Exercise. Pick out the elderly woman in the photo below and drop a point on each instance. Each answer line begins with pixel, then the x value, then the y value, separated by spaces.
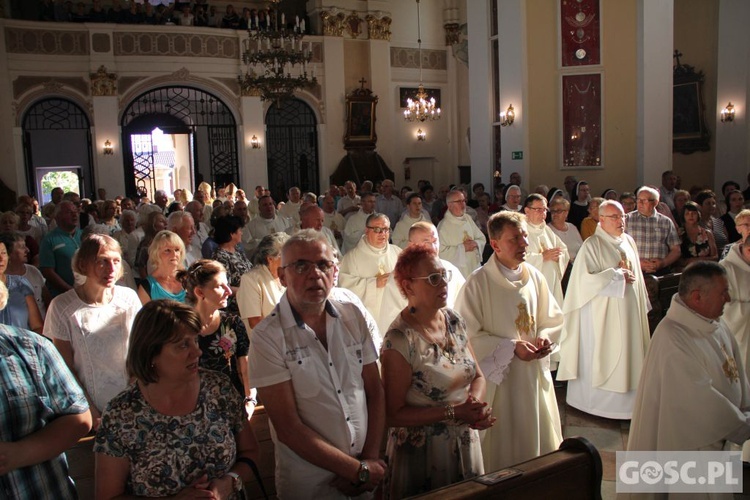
pixel 706 200
pixel 107 215
pixel 697 242
pixel 223 337
pixel 588 226
pixel 18 257
pixel 260 288
pixel 228 234
pixel 90 324
pixel 166 254
pixel 680 198
pixel 178 430
pixel 153 222
pixel 9 224
pixel 25 212
pixel 22 310
pixel 627 200
pixel 433 384
pixel 558 209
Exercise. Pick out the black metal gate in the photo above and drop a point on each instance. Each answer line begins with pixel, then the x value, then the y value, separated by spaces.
pixel 292 143
pixel 198 112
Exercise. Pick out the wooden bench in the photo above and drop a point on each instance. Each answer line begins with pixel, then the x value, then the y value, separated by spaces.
pixel 574 471
pixel 660 291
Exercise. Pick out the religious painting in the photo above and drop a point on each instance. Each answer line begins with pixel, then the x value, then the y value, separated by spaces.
pixel 405 93
pixel 360 119
pixel 580 32
pixel 689 132
pixel 582 120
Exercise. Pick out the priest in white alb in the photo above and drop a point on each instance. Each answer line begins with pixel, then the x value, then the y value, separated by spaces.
pixel 366 269
pixel 412 215
pixel 737 312
pixel 513 320
pixel 546 250
pixel 461 241
pixel 693 394
pixel 606 333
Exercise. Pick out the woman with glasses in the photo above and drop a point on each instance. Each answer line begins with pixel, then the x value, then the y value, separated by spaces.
pixel 223 338
pixel 546 251
pixel 433 384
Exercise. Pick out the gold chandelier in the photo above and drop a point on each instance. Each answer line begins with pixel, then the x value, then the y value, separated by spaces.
pixel 271 54
pixel 423 107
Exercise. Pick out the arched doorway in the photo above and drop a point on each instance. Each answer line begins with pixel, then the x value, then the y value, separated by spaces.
pixel 292 145
pixel 177 137
pixel 57 147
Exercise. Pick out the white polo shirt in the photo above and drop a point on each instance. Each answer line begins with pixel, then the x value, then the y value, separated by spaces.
pixel 328 386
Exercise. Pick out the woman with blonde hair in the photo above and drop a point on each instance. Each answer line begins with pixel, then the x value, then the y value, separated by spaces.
pixel 166 254
pixel 90 324
pixel 152 222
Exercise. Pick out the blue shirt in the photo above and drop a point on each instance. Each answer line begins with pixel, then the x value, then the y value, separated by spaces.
pixel 16 313
pixel 56 252
pixel 38 388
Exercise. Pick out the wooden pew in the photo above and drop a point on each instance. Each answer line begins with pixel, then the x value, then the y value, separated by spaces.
pixel 660 291
pixel 574 471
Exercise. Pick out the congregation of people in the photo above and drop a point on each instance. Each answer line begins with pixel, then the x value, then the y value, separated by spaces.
pixel 399 340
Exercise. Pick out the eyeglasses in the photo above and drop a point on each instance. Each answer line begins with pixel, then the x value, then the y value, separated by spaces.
pixel 613 217
pixel 558 211
pixel 535 209
pixel 305 266
pixel 379 230
pixel 436 279
pixel 646 200
pixel 458 201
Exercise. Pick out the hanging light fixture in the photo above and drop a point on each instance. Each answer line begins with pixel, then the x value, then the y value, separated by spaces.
pixel 424 107
pixel 270 55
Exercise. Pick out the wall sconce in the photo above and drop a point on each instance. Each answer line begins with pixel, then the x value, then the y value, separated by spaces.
pixel 508 116
pixel 421 135
pixel 254 142
pixel 108 149
pixel 727 114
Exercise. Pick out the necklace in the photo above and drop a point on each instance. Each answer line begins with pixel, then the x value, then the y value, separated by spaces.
pixel 445 350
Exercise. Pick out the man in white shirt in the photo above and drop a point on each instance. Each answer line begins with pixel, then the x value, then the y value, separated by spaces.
pixel 290 209
pixel 461 241
pixel 311 217
pixel 182 224
pixel 413 214
pixel 266 223
pixel 349 204
pixel 332 219
pixel 195 208
pixel 667 188
pixel 314 364
pixel 355 225
pixel 388 203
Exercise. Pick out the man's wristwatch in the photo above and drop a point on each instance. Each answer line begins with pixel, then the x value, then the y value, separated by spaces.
pixel 363 474
pixel 236 481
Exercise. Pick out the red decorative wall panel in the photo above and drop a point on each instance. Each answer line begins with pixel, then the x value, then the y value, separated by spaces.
pixel 580 24
pixel 582 115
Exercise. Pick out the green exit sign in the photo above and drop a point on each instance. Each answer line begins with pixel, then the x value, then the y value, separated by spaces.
pixel 517 155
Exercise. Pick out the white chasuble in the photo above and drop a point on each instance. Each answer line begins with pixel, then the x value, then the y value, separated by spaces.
pixel 453 231
pixel 606 333
pixel 497 312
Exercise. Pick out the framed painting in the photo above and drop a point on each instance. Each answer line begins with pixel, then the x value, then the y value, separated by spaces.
pixel 360 119
pixel 689 131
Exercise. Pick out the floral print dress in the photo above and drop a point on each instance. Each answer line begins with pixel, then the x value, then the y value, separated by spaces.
pixel 222 348
pixel 168 453
pixel 698 248
pixel 426 457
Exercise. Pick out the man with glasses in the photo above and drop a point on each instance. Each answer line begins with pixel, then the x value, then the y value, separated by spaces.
pixel 546 250
pixel 655 235
pixel 512 320
pixel 461 240
pixel 606 332
pixel 366 269
pixel 314 363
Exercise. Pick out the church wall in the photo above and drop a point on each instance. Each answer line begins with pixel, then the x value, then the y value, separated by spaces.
pixel 696 37
pixel 544 115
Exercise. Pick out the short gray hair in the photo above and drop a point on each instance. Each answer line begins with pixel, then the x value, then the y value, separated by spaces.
pixel 610 203
pixel 176 220
pixel 698 275
pixel 269 246
pixel 306 236
pixel 650 190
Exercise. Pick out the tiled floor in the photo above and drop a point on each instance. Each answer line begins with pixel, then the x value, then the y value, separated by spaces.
pixel 609 436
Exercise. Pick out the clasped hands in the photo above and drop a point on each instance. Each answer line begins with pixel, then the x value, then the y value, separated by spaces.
pixel 470 245
pixel 528 351
pixel 552 254
pixel 475 413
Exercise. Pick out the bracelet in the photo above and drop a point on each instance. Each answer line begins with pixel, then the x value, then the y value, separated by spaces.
pixel 450 412
pixel 250 399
